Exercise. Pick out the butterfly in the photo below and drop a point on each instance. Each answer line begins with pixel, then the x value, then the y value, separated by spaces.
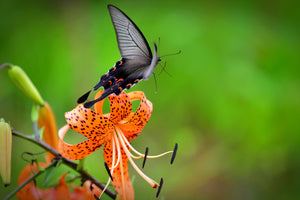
pixel 137 61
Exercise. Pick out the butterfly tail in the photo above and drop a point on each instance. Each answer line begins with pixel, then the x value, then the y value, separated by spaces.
pixel 89 104
pixel 84 97
pixel 105 81
pixel 106 93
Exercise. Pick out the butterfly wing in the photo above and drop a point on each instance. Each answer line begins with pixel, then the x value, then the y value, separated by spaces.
pixel 137 61
pixel 132 43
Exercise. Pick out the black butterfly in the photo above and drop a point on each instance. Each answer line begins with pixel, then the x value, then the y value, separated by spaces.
pixel 137 61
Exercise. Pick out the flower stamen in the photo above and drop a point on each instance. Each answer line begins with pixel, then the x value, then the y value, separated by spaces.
pixel 112 168
pixel 140 154
pixel 144 176
pixel 174 153
pixel 159 188
pixel 118 161
pixel 146 153
pixel 106 186
pixel 108 171
pixel 119 156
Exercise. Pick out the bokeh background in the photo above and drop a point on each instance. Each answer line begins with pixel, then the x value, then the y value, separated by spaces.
pixel 231 101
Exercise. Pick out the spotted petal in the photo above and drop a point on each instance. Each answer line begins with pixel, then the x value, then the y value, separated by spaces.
pixel 120 106
pixel 98 106
pixel 80 150
pixel 88 122
pixel 135 122
pixel 121 180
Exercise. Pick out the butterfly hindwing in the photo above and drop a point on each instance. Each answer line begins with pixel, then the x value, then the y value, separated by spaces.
pixel 115 81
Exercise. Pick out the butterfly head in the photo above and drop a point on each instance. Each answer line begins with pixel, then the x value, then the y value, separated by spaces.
pixel 154 62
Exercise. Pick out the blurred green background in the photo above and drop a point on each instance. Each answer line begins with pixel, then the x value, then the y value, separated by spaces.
pixel 232 101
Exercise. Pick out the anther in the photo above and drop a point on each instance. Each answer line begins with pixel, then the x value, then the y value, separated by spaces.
pixel 95 196
pixel 174 153
pixel 159 188
pixel 91 187
pixel 108 171
pixel 145 157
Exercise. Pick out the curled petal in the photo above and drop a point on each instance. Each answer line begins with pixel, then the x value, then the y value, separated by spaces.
pixel 98 106
pixel 47 120
pixel 80 150
pixel 135 122
pixel 120 106
pixel 121 180
pixel 88 122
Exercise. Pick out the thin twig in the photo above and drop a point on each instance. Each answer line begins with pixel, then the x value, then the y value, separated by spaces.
pixel 10 195
pixel 84 174
pixel 5 65
pixel 36 131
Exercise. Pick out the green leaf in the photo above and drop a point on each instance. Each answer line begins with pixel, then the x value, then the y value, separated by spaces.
pixel 48 174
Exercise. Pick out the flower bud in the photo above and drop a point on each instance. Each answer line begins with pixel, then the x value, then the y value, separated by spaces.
pixel 20 78
pixel 5 152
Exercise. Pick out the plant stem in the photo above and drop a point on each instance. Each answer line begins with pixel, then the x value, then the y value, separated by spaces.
pixel 10 195
pixel 36 132
pixel 5 65
pixel 84 174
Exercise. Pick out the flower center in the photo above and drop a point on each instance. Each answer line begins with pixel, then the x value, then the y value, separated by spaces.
pixel 119 141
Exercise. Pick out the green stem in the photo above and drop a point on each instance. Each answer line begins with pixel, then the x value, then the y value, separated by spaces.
pixel 84 174
pixel 5 65
pixel 10 195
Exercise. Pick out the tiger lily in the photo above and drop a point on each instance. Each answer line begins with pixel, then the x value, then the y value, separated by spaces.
pixel 61 191
pixel 115 130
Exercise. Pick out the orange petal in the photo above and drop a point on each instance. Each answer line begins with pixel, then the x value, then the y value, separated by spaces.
pixel 135 123
pixel 86 192
pixel 82 149
pixel 99 105
pixel 121 180
pixel 88 122
pixel 47 120
pixel 62 190
pixel 30 191
pixel 120 106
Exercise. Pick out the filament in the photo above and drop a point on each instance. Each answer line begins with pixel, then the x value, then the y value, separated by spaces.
pixel 149 180
pixel 140 154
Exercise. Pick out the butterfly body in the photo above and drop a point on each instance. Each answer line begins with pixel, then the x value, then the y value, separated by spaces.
pixel 137 61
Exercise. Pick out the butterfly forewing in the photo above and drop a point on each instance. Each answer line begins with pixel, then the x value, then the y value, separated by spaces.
pixel 131 41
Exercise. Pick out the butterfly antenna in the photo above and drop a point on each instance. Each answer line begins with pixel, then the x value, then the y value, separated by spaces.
pixel 172 54
pixel 158 42
pixel 163 68
pixel 155 83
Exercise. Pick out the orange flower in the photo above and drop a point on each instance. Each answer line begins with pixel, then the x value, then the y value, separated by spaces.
pixel 115 129
pixel 31 192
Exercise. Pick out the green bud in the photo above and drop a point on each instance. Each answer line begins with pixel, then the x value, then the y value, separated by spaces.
pixel 20 78
pixel 5 152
